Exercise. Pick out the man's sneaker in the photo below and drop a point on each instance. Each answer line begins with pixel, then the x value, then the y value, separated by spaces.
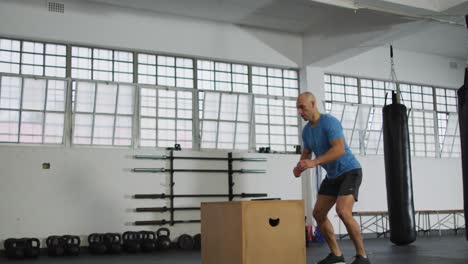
pixel 358 259
pixel 331 259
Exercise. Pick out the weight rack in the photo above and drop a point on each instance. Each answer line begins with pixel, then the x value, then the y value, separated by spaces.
pixel 231 195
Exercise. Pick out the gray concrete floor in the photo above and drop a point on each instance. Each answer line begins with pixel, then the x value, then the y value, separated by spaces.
pixel 433 249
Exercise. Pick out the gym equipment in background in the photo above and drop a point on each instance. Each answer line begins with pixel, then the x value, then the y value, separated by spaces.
pixel 231 195
pixel 163 240
pixel 55 246
pixel 72 245
pixel 397 156
pixel 463 120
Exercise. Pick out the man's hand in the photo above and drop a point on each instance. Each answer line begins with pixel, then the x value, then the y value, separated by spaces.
pixel 297 171
pixel 306 164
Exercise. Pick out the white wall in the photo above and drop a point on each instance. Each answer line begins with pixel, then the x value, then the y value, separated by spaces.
pixel 90 190
pixel 409 67
pixel 107 26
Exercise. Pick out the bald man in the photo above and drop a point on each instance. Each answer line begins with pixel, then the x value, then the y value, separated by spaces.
pixel 323 136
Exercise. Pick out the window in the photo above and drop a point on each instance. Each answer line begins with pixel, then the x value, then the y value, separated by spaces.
pixel 103 113
pixel 32 110
pixel 165 117
pixel 425 115
pixel 341 89
pixel 221 76
pixel 225 120
pixel 373 92
pixel 447 120
pixel 417 96
pixel 10 54
pixel 449 135
pixel 276 123
pixel 421 126
pixel 32 58
pixel 102 64
pixel 165 70
pixel 276 118
pixel 275 82
pixel 104 84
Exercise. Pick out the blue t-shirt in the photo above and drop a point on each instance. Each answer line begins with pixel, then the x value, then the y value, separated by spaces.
pixel 318 139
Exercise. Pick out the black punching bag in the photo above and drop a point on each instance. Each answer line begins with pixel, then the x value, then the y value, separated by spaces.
pixel 398 173
pixel 463 120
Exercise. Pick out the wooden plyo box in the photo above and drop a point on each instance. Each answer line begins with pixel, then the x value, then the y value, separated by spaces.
pixel 253 232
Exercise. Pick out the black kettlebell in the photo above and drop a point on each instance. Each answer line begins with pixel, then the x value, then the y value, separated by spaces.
pixel 14 248
pixel 32 248
pixel 55 246
pixel 113 243
pixel 131 242
pixel 147 241
pixel 163 241
pixel 197 241
pixel 96 244
pixel 72 245
pixel 185 242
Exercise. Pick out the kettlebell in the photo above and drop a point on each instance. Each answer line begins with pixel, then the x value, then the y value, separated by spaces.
pixel 55 246
pixel 131 243
pixel 185 242
pixel 163 241
pixel 96 244
pixel 32 248
pixel 147 241
pixel 197 242
pixel 113 243
pixel 14 248
pixel 72 245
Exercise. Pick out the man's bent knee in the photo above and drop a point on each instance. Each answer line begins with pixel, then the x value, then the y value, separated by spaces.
pixel 344 214
pixel 320 216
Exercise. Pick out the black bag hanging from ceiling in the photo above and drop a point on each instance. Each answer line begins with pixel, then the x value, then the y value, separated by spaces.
pixel 398 173
pixel 463 121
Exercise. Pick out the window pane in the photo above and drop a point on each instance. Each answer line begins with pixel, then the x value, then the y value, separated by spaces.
pixel 56 91
pixel 85 96
pixel 31 127
pixel 34 94
pixel 10 92
pixel 9 125
pixel 106 97
pixel 171 112
pixel 103 130
pixel 54 125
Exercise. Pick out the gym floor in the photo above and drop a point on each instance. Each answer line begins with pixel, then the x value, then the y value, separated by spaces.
pixel 425 250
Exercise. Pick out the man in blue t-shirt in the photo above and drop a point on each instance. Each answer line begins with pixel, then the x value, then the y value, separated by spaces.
pixel 323 136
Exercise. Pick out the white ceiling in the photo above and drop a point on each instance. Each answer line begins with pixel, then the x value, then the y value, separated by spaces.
pixel 443 34
pixel 439 39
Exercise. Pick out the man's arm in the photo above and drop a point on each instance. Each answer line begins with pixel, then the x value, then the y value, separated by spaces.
pixel 306 155
pixel 335 152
